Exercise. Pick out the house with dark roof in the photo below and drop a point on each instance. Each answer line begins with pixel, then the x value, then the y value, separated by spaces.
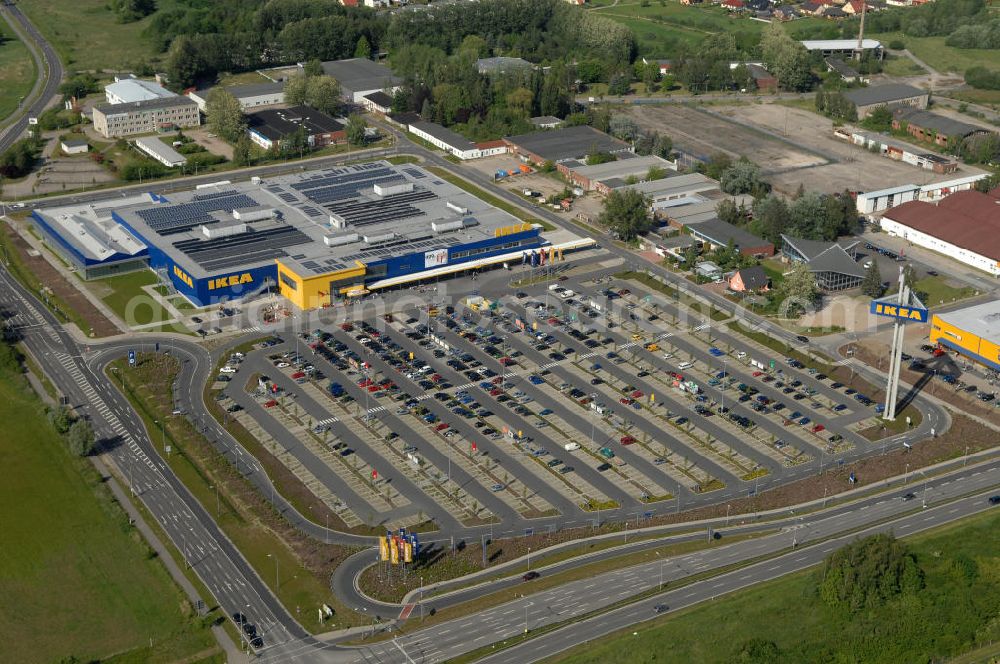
pixel 749 279
pixel 833 264
pixel 892 95
pixel 931 127
pixel 564 144
pixel 268 128
pixel 846 72
pixel 964 226
pixel 377 102
pixel 717 234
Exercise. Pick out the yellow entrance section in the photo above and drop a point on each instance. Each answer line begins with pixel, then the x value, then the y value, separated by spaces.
pixel 941 329
pixel 313 290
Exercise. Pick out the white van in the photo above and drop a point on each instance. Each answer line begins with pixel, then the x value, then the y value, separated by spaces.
pixel 684 366
pixel 569 447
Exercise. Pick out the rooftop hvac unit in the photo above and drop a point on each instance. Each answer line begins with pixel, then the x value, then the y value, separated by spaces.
pixel 378 239
pixel 457 208
pixel 336 221
pixel 255 179
pixel 340 240
pixel 255 214
pixel 395 187
pixel 446 226
pixel 223 230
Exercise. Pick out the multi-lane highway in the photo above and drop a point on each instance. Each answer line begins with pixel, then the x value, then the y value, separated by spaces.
pixel 50 73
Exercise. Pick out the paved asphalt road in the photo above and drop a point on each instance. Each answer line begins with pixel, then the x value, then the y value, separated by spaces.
pixel 51 70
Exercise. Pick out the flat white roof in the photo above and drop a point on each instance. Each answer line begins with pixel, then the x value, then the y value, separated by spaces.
pixel 92 231
pixel 890 191
pixel 839 44
pixel 160 150
pixel 131 90
pixel 983 320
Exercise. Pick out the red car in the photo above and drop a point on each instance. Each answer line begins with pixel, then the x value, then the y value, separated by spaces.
pixel 442 426
pixel 270 404
pixel 347 327
pixel 627 440
pixel 497 380
pixel 758 374
pixel 637 394
pixel 553 321
pixel 495 392
pixel 938 352
pixel 818 428
pixel 676 376
pixel 374 388
pixel 625 401
pixel 298 374
pixel 506 361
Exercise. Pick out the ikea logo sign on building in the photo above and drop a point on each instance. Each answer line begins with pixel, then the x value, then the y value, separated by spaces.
pixel 898 311
pixel 232 280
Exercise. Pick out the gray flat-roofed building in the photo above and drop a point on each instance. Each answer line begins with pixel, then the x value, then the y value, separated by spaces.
pixel 360 76
pixel 160 151
pixel 868 99
pixel 268 127
pixel 613 174
pixel 677 189
pixel 563 144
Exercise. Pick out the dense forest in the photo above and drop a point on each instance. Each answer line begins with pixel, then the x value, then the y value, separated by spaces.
pixel 203 37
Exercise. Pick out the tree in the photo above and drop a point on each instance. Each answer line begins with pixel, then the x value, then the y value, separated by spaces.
pixel 879 119
pixel 356 127
pixel 690 256
pixel 80 438
pixel 626 213
pixel 183 62
pixel 618 84
pixel 798 291
pixel 655 173
pixel 727 211
pixel 79 86
pixel 867 573
pixel 61 419
pixel 313 68
pixel 715 165
pixel 872 284
pixel 296 89
pixel 225 115
pixel 363 49
pixel 600 158
pixel 743 177
pixel 133 10
pixel 323 94
pixel 757 651
pixel 243 151
pixel 786 58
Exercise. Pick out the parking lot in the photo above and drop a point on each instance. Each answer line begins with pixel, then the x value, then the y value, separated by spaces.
pixel 558 403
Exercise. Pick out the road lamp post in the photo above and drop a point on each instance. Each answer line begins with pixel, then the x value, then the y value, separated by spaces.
pixel 277 581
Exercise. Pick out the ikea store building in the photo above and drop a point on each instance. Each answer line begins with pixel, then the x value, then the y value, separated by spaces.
pixel 316 237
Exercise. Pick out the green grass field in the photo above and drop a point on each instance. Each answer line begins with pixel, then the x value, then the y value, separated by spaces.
pixel 74 578
pixel 86 34
pixel 953 613
pixel 942 57
pixel 17 70
pixel 124 294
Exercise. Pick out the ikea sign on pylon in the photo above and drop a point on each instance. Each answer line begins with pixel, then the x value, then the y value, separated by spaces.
pixel 898 311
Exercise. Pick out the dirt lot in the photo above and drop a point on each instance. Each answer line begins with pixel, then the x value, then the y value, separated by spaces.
pixel 67 292
pixel 792 145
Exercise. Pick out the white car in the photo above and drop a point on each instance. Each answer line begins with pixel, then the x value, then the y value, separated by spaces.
pixel 228 369
pixel 282 365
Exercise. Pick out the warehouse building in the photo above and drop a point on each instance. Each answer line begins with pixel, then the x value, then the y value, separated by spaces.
pixel 611 175
pixel 360 76
pixel 931 127
pixel 964 226
pixel 843 47
pixel 892 95
pixel 145 117
pixel 250 96
pixel 564 144
pixel 869 202
pixel 160 151
pixel 898 150
pixel 318 236
pixel 90 240
pixel 973 332
pixel 269 127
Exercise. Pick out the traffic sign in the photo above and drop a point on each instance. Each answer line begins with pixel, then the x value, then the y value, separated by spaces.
pixel 131 358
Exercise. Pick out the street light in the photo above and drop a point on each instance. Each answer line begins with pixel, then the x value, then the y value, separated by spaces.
pixel 277 583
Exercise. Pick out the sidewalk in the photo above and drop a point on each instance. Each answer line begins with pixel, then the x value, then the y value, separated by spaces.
pixel 233 654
